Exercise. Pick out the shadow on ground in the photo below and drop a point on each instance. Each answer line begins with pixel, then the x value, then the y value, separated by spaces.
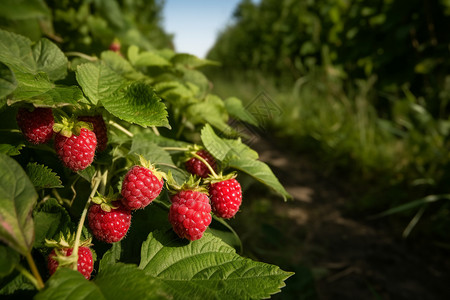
pixel 334 256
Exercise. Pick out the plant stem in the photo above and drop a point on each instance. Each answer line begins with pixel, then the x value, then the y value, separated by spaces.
pixel 155 130
pixel 10 130
pixel 104 180
pixel 213 173
pixel 121 128
pixel 57 196
pixel 96 182
pixel 167 165
pixel 82 55
pixel 175 149
pixel 37 277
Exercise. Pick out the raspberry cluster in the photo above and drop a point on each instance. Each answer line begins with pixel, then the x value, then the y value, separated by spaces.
pixel 75 144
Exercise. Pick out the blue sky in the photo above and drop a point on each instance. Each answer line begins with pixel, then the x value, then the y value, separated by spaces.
pixel 195 23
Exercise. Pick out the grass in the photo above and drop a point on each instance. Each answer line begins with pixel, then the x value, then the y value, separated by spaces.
pixel 394 158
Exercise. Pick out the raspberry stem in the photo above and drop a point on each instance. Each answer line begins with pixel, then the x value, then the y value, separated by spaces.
pixel 96 183
pixel 175 149
pixel 213 173
pixel 82 55
pixel 121 128
pixel 36 276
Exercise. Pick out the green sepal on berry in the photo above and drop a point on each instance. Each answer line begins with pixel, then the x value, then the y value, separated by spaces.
pixel 63 243
pixel 106 201
pixel 69 126
pixel 147 164
pixel 214 178
pixel 192 184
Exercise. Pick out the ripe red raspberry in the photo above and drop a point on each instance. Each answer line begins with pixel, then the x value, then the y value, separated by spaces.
pixel 77 151
pixel 85 262
pixel 109 226
pixel 197 167
pixel 190 214
pixel 99 129
pixel 226 197
pixel 36 125
pixel 140 187
pixel 115 46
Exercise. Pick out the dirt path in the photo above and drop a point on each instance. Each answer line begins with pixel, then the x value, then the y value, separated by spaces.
pixel 348 256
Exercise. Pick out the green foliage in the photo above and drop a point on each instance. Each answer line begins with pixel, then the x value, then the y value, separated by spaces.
pixel 17 200
pixel 156 104
pixel 42 177
pixel 363 85
pixel 397 42
pixel 207 268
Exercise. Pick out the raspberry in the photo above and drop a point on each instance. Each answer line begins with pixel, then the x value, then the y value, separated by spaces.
pixel 141 186
pixel 85 263
pixel 115 46
pixel 196 167
pixel 36 125
pixel 226 197
pixel 99 129
pixel 77 151
pixel 190 214
pixel 109 226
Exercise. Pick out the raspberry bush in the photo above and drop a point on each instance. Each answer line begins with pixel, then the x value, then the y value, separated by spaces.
pixel 101 183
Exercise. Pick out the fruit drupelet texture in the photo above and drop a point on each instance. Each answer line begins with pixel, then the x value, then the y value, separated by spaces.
pixel 190 214
pixel 197 167
pixel 140 187
pixel 100 130
pixel 76 152
pixel 36 125
pixel 85 262
pixel 112 226
pixel 226 198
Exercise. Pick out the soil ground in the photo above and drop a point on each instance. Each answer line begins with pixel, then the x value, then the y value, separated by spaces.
pixel 334 255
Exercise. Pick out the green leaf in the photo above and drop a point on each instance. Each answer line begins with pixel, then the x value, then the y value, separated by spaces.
pixel 11 150
pixel 8 260
pixel 223 149
pixel 173 89
pixel 12 142
pixel 14 283
pixel 15 51
pixel 143 145
pixel 50 218
pixel 111 256
pixel 50 59
pixel 238 111
pixel 126 281
pixel 120 65
pixel 211 111
pixel 43 177
pixel 8 82
pixel 235 154
pixel 88 173
pixel 146 58
pixel 98 81
pixel 261 172
pixel 192 61
pixel 137 103
pixel 39 90
pixel 207 269
pixel 69 284
pixel 149 150
pixel 19 10
pixel 17 199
